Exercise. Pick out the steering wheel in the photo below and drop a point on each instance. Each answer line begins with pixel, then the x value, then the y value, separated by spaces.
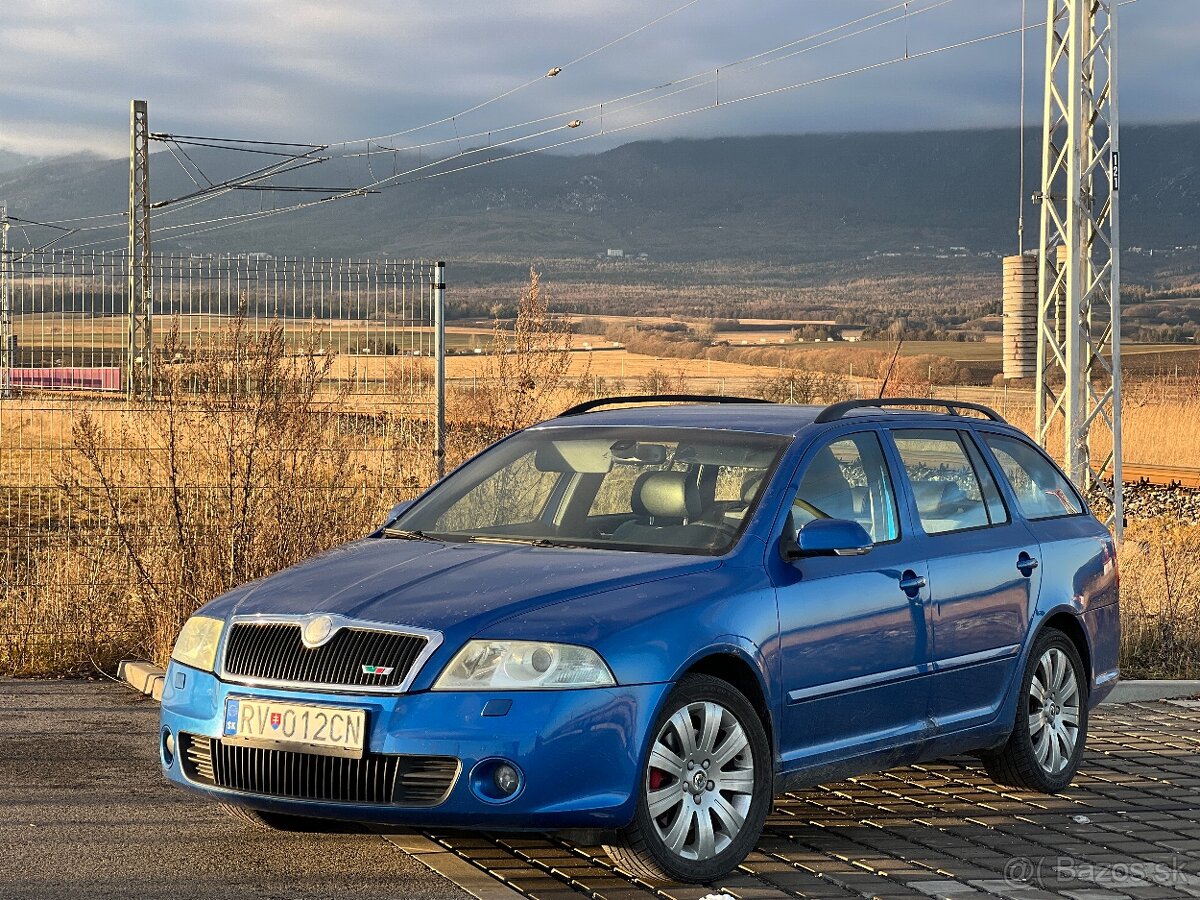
pixel 723 527
pixel 812 510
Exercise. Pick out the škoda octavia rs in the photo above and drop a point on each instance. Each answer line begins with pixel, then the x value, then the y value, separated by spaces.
pixel 646 621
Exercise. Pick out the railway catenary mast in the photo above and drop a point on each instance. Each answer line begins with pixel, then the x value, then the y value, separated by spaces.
pixel 1078 358
pixel 139 365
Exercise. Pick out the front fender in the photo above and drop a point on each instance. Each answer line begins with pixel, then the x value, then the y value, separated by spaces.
pixel 651 632
pixel 739 646
pixel 753 658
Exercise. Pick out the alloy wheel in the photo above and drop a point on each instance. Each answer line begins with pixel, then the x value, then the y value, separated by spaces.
pixel 1054 711
pixel 700 780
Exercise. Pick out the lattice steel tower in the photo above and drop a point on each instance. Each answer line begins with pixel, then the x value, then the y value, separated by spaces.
pixel 1079 321
pixel 139 363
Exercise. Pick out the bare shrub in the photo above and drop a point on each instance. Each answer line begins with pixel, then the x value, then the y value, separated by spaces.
pixel 527 368
pixel 660 381
pixel 238 467
pixel 797 386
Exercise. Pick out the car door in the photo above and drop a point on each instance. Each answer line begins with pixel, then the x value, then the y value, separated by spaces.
pixel 1078 555
pixel 853 629
pixel 982 570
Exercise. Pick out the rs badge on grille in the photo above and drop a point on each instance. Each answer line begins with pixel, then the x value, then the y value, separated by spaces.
pixel 377 670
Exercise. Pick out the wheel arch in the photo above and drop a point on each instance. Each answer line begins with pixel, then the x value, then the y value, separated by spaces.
pixel 1067 622
pixel 736 667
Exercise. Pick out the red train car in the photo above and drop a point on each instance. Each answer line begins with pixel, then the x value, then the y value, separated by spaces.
pixel 85 378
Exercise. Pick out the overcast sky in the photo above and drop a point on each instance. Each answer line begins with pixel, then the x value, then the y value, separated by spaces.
pixel 323 70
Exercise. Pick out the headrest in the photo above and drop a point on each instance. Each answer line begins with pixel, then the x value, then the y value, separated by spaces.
pixel 666 494
pixel 930 496
pixel 750 485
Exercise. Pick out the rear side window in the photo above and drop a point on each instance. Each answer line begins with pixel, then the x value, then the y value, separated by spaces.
pixel 952 492
pixel 1042 491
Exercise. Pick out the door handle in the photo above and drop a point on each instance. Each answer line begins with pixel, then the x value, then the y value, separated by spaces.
pixel 912 583
pixel 1026 564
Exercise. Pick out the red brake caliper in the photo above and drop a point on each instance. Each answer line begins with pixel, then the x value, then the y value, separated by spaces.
pixel 656 778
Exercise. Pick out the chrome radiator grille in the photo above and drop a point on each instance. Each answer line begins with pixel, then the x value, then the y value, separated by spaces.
pixel 353 657
pixel 415 781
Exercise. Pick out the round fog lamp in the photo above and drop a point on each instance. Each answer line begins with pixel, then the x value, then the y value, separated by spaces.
pixel 506 778
pixel 168 746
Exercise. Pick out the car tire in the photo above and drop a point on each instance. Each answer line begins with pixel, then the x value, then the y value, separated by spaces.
pixel 718 818
pixel 1046 744
pixel 269 821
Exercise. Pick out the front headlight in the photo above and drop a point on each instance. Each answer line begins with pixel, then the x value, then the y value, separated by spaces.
pixel 197 643
pixel 523 665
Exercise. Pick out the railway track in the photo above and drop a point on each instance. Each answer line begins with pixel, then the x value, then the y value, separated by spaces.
pixel 1166 476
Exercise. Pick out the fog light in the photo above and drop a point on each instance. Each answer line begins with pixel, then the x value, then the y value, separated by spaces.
pixel 168 747
pixel 496 780
pixel 507 779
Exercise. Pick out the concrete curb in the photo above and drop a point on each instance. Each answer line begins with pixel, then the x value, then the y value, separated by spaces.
pixel 1149 689
pixel 143 676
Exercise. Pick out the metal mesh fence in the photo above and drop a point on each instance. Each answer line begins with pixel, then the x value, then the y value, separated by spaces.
pixel 294 402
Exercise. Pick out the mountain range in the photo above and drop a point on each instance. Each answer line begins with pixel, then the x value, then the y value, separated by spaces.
pixel 779 200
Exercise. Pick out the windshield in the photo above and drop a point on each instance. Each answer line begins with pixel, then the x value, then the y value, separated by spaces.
pixel 667 490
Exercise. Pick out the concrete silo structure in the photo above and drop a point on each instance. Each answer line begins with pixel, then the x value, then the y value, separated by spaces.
pixel 1020 316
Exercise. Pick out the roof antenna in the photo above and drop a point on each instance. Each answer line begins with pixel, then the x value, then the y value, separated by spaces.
pixel 892 365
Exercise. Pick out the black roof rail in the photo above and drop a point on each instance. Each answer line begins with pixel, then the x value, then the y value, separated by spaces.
pixel 589 405
pixel 838 410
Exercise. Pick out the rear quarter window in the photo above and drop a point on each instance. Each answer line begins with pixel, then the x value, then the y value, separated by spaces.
pixel 1041 490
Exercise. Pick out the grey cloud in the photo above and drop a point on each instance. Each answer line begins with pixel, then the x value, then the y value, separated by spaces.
pixel 319 70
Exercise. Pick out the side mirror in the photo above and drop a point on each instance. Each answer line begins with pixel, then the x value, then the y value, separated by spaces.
pixel 829 537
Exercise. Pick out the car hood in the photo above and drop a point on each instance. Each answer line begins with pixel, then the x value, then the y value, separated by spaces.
pixel 456 589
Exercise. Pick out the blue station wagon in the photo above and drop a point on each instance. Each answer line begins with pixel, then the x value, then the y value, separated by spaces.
pixel 644 622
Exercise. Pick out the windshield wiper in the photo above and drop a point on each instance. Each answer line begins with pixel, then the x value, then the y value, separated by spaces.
pixel 500 539
pixel 530 541
pixel 405 534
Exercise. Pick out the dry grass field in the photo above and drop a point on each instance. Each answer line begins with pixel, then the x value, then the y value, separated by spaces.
pixel 72 335
pixel 117 520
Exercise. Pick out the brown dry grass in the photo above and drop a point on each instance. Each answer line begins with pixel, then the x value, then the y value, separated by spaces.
pixel 1160 595
pixel 1159 427
pixel 119 520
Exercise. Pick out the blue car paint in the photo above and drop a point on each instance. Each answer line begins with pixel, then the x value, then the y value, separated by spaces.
pixel 451 588
pixel 843 693
pixel 579 750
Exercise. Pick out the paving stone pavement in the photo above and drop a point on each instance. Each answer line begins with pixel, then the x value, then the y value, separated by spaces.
pixel 1128 828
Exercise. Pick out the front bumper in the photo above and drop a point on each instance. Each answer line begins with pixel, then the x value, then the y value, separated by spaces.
pixel 579 751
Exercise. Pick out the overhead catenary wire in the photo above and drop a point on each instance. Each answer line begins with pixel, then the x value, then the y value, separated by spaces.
pixel 680 84
pixel 54 222
pixel 401 178
pixel 869 67
pixel 704 77
pixel 228 221
pixel 1021 129
pixel 808 83
pixel 552 73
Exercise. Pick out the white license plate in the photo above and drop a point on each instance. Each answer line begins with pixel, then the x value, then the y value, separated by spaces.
pixel 331 731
